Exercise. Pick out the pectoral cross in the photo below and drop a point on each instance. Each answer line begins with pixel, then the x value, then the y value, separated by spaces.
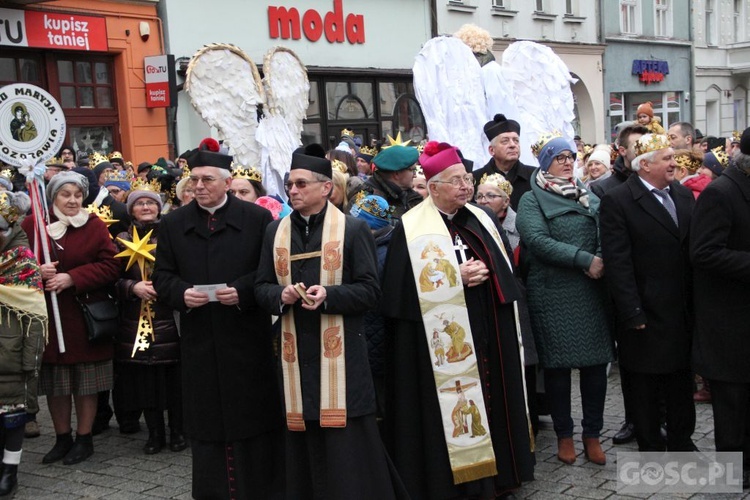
pixel 460 248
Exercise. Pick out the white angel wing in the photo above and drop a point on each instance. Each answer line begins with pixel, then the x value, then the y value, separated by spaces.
pixel 280 130
pixel 224 87
pixel 541 85
pixel 448 85
pixel 498 94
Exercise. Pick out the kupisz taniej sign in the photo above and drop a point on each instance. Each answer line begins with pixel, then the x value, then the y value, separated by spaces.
pixel 160 80
pixel 32 124
pixel 52 30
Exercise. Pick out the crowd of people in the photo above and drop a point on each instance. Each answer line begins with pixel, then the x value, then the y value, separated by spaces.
pixel 378 329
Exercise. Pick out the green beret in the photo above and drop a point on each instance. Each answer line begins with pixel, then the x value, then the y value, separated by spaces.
pixel 395 158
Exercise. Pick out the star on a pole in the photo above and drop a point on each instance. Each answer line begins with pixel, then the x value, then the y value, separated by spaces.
pixel 137 250
pixel 396 142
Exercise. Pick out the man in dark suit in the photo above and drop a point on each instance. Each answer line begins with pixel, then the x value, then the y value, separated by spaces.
pixel 719 250
pixel 505 148
pixel 233 412
pixel 644 228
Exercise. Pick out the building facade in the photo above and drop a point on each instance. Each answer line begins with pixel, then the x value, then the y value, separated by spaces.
pixel 358 56
pixel 721 30
pixel 648 58
pixel 90 57
pixel 569 27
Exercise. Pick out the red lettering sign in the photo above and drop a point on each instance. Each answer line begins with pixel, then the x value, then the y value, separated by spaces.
pixel 287 24
pixel 651 77
pixel 157 81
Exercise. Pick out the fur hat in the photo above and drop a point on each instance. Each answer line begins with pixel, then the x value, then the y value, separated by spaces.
pixel 645 109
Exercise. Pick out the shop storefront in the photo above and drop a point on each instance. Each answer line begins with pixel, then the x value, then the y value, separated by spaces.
pixel 358 55
pixel 90 57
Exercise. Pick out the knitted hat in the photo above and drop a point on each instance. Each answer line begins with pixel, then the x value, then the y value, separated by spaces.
pixel 372 209
pixel 602 156
pixel 101 167
pixel 437 157
pixel 552 149
pixel 645 109
pixel 396 158
pixel 140 194
pixel 12 207
pixel 67 177
pixel 499 125
pixel 716 161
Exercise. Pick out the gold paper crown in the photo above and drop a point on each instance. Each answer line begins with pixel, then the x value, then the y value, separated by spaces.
pixel 7 211
pixel 340 166
pixel 497 180
pixel 736 136
pixel 185 172
pixel 367 150
pixel 96 158
pixel 347 133
pixel 372 207
pixel 115 155
pixel 420 147
pixel 649 143
pixel 119 176
pixel 721 155
pixel 419 171
pixel 139 184
pixel 129 164
pixel 7 173
pixel 102 211
pixel 54 162
pixel 536 148
pixel 240 172
pixel 688 160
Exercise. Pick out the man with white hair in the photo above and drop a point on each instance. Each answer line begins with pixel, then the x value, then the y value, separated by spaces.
pixel 644 225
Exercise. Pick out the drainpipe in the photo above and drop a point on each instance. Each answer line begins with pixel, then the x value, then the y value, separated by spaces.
pixel 691 62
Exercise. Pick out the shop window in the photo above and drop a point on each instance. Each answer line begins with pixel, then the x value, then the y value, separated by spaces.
pixel 85 84
pixel 616 114
pixel 89 139
pixel 24 69
pixel 630 17
pixel 349 100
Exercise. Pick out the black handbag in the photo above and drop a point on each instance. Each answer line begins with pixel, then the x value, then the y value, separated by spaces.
pixel 102 319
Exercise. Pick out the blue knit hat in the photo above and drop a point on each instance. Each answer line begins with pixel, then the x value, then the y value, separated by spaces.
pixel 372 209
pixel 552 149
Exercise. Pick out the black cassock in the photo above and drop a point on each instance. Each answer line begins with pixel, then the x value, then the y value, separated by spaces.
pixel 414 432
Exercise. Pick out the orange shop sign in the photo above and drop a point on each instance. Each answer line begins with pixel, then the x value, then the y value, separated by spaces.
pixel 52 30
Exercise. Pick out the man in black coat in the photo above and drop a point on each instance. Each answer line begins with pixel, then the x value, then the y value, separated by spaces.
pixel 505 148
pixel 644 227
pixel 232 405
pixel 719 250
pixel 333 448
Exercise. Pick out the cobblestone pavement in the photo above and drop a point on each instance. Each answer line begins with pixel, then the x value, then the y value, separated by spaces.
pixel 120 470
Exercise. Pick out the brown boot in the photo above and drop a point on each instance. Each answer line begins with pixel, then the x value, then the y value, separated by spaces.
pixel 593 451
pixel 566 452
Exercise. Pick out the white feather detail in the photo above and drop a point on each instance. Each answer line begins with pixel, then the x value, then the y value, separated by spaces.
pixel 498 93
pixel 448 85
pixel 224 87
pixel 278 143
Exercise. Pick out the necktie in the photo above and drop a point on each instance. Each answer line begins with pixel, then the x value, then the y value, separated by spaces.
pixel 668 203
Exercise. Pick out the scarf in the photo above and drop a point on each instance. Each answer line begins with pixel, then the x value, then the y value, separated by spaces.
pixel 562 186
pixel 332 365
pixel 57 230
pixel 21 290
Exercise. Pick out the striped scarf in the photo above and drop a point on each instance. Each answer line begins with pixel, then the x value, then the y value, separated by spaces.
pixel 565 187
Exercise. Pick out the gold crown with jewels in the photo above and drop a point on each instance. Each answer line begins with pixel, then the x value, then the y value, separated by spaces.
pixel 240 172
pixel 7 211
pixel 340 166
pixel 55 161
pixel 649 143
pixel 367 150
pixel 497 180
pixel 139 184
pixel 347 133
pixel 372 207
pixel 736 136
pixel 537 147
pixel 688 160
pixel 721 155
pixel 116 155
pixel 119 176
pixel 102 211
pixel 96 158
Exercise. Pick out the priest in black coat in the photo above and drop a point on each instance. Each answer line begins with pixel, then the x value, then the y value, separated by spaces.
pixel 414 427
pixel 232 408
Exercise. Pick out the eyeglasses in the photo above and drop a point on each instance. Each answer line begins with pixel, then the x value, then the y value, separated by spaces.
pixel 488 196
pixel 145 203
pixel 467 179
pixel 205 180
pixel 561 159
pixel 300 184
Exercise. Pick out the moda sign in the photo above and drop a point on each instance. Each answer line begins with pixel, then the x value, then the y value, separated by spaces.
pixel 289 23
pixel 52 30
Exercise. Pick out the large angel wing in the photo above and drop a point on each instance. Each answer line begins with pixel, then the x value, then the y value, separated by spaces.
pixel 448 85
pixel 287 92
pixel 225 88
pixel 498 94
pixel 541 85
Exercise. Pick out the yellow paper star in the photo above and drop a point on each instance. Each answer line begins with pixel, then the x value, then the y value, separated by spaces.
pixel 395 142
pixel 137 250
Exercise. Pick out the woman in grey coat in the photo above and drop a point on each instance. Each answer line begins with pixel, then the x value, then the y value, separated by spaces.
pixel 558 221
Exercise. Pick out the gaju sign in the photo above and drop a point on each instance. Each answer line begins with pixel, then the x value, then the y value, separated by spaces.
pixel 32 124
pixel 289 23
pixel 160 81
pixel 52 30
pixel 650 71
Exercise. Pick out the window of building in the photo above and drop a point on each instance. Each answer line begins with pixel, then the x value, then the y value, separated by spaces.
pixel 630 17
pixel 740 110
pixel 738 21
pixel 662 18
pixel 539 6
pixel 616 114
pixel 710 23
pixel 569 11
pixel 501 4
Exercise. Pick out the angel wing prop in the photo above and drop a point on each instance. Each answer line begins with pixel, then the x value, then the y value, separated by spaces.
pixel 499 96
pixel 225 89
pixel 448 85
pixel 541 84
pixel 287 91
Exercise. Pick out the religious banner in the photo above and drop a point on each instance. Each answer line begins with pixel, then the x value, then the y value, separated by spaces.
pixel 32 124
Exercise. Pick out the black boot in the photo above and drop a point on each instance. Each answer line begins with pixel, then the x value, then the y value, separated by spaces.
pixel 8 481
pixel 156 439
pixel 81 450
pixel 63 444
pixel 177 441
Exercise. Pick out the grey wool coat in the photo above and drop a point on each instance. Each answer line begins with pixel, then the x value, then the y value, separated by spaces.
pixel 569 311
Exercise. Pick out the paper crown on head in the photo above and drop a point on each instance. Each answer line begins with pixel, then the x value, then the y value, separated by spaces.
pixel 372 209
pixel 96 158
pixel 721 155
pixel 688 159
pixel 500 125
pixel 55 161
pixel 367 153
pixel 139 184
pixel 102 211
pixel 119 178
pixel 536 148
pixel 499 181
pixel 736 136
pixel 340 166
pixel 7 173
pixel 649 143
pixel 9 210
pixel 250 174
pixel 347 133
pixel 437 157
pixel 395 142
pixel 116 157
